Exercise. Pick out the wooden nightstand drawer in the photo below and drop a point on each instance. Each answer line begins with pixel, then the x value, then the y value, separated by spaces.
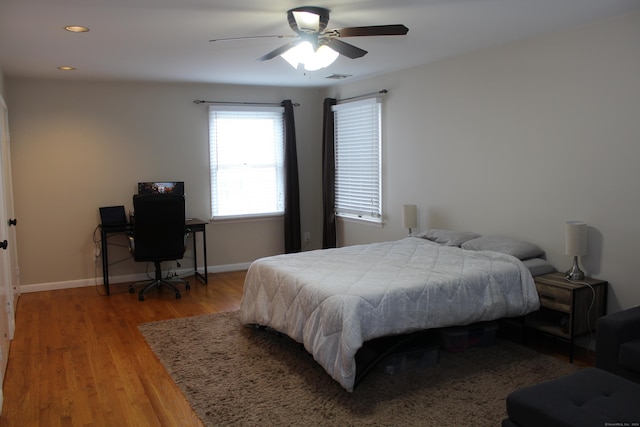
pixel 554 297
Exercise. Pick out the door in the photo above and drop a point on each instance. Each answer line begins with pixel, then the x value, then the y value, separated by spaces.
pixel 10 219
pixel 6 289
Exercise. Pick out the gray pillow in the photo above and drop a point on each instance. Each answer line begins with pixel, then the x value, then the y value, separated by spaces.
pixel 538 266
pixel 505 245
pixel 446 237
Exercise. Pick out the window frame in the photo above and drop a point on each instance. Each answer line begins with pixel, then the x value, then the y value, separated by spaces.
pixel 220 111
pixel 360 110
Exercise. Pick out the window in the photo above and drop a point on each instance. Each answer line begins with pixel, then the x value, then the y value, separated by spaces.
pixel 358 160
pixel 246 147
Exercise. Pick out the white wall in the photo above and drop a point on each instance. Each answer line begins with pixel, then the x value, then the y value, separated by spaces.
pixel 518 139
pixel 77 146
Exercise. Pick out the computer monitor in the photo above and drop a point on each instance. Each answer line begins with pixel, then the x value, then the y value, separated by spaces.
pixel 164 187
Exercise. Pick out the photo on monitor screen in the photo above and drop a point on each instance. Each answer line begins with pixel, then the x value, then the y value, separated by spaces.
pixel 166 187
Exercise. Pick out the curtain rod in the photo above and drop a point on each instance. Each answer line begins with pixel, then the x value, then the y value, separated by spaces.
pixel 380 92
pixel 275 104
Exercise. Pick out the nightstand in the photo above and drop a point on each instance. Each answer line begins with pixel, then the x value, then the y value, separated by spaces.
pixel 568 309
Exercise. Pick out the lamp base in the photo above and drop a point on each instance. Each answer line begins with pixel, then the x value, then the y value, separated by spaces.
pixel 574 273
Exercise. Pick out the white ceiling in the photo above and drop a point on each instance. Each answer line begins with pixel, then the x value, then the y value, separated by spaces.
pixel 168 40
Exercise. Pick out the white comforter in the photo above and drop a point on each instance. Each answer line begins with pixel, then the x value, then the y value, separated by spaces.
pixel 334 300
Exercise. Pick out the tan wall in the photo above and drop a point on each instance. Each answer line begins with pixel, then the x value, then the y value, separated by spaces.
pixel 77 146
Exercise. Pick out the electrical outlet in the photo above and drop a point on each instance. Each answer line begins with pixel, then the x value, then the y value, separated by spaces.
pixel 307 236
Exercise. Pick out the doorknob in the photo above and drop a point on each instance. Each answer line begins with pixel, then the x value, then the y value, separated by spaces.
pixel 4 244
pixel 13 222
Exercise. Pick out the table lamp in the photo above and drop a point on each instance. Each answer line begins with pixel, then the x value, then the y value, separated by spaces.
pixel 575 244
pixel 409 217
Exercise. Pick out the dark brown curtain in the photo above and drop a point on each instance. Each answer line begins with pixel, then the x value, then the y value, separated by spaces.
pixel 328 176
pixel 292 234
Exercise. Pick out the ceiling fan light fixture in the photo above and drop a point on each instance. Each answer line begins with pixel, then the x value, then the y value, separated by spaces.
pixel 298 54
pixel 307 21
pixel 303 53
pixel 322 58
pixel 316 47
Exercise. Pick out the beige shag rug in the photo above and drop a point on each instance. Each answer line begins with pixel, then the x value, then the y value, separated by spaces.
pixel 234 375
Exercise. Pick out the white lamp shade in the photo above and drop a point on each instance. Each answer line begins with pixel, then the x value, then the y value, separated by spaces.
pixel 575 242
pixel 312 60
pixel 409 216
pixel 323 57
pixel 298 54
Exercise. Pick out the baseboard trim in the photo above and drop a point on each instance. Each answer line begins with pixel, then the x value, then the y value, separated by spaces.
pixel 80 283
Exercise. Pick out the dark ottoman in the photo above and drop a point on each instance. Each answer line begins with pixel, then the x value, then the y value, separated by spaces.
pixel 589 397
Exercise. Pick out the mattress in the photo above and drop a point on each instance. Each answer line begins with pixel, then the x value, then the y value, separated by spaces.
pixel 334 300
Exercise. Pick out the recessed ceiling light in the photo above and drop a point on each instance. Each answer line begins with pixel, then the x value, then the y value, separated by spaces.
pixel 66 68
pixel 76 28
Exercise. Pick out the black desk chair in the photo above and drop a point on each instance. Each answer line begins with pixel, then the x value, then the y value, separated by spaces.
pixel 158 235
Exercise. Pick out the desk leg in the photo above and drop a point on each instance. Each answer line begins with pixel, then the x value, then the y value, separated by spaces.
pixel 204 278
pixel 105 260
pixel 204 250
pixel 195 255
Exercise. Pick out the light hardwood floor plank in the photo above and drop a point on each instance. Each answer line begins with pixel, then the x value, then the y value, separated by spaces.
pixel 78 358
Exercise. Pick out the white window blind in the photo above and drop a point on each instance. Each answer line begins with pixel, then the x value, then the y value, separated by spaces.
pixel 358 159
pixel 246 147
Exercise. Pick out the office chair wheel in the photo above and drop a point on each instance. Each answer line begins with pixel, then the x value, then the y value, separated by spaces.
pixel 178 295
pixel 131 290
pixel 187 286
pixel 140 297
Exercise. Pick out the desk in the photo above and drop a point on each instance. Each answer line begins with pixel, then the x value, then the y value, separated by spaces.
pixel 194 225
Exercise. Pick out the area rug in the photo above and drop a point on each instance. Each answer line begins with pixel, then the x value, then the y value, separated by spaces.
pixel 235 375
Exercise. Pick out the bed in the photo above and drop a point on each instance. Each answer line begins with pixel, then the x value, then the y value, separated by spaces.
pixel 334 300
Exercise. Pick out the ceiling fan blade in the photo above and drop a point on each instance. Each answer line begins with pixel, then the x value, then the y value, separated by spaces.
pixel 346 49
pixel 279 51
pixel 250 38
pixel 373 30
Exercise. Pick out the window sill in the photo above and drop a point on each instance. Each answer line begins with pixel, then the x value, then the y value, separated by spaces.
pixel 360 220
pixel 248 218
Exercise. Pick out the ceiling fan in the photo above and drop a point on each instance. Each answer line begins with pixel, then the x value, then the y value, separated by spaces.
pixel 315 46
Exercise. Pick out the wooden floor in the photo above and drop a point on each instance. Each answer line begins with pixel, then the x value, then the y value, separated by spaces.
pixel 78 358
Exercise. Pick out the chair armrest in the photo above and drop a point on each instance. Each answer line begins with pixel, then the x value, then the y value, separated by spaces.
pixel 611 331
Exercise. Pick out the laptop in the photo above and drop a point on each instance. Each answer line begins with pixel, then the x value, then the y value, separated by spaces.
pixel 113 216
